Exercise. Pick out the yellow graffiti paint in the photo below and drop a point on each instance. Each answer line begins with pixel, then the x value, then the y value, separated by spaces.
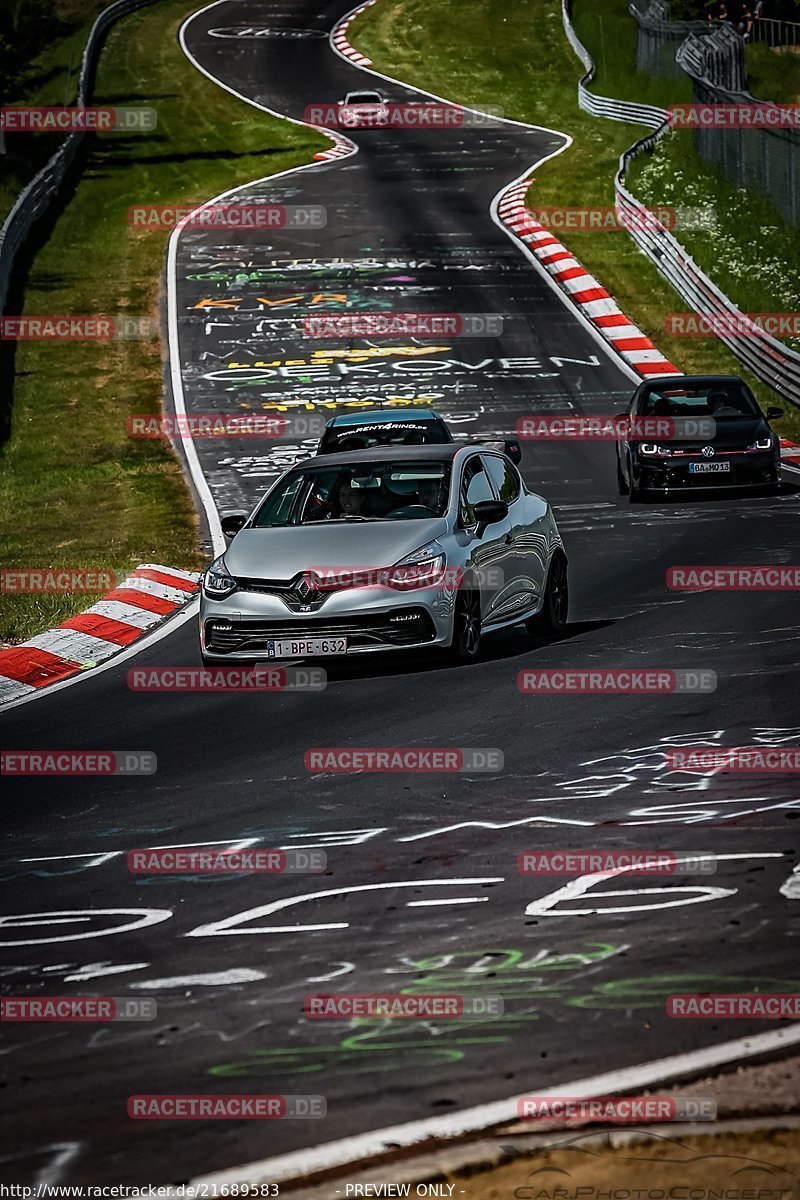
pixel 389 401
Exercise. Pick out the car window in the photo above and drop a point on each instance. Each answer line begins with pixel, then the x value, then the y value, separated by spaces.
pixel 364 491
pixel 504 477
pixel 475 487
pixel 279 504
pixel 364 98
pixel 717 399
pixel 343 438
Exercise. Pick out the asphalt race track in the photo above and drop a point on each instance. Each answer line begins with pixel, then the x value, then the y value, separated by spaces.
pixel 411 858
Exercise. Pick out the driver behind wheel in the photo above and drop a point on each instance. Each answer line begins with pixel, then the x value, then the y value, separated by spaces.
pixel 350 500
pixel 429 494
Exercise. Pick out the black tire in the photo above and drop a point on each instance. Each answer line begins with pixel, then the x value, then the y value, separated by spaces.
pixel 622 486
pixel 635 494
pixel 466 644
pixel 554 615
pixel 208 662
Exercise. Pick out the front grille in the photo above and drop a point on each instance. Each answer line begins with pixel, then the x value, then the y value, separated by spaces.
pixel 284 589
pixel 411 626
pixel 269 587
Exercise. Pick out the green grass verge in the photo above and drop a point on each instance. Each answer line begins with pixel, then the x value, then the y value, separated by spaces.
pixel 774 74
pixel 518 57
pixel 75 491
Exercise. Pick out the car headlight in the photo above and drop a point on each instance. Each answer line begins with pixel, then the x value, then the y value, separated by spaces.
pixel 423 568
pixel 218 581
pixel 654 451
pixel 764 443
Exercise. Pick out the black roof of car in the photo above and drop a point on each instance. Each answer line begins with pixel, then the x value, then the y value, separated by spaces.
pixel 678 381
pixel 443 453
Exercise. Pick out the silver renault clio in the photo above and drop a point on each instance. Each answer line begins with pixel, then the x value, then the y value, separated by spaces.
pixel 400 548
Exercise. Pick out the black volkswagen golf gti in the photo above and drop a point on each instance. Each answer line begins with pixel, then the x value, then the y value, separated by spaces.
pixel 688 432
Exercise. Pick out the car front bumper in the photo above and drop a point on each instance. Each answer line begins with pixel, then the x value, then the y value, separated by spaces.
pixel 672 475
pixel 373 619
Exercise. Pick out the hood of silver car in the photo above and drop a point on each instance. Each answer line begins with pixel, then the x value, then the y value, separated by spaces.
pixel 281 553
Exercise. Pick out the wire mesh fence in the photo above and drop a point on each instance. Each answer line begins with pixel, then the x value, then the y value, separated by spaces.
pixel 658 37
pixel 768 358
pixel 763 159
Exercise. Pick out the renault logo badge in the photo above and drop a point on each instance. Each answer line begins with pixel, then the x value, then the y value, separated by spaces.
pixel 305 588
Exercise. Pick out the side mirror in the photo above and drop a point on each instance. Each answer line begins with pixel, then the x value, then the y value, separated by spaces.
pixel 232 524
pixel 514 451
pixel 774 413
pixel 489 512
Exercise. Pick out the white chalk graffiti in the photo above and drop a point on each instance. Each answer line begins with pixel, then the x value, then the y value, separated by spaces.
pixel 143 917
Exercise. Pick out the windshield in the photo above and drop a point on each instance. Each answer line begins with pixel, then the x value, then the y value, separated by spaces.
pixel 364 98
pixel 386 433
pixel 718 400
pixel 380 491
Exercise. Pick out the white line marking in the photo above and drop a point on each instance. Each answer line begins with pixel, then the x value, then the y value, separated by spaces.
pixel 365 1146
pixel 790 888
pixel 208 979
pixel 228 925
pixel 344 968
pixel 190 450
pixel 144 917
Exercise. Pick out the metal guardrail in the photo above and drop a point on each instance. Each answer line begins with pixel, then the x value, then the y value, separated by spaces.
pixel 33 201
pixel 716 57
pixel 767 358
pixel 599 106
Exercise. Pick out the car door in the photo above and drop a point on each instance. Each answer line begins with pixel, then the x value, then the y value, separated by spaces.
pixel 490 555
pixel 526 569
